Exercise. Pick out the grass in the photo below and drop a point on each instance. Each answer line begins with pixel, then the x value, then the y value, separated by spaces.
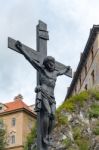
pixel 31 138
pixel 77 132
pixel 72 105
pixel 94 111
pixel 83 144
pixel 96 131
pixel 69 105
pixel 62 120
pixel 81 141
pixel 94 93
pixel 67 142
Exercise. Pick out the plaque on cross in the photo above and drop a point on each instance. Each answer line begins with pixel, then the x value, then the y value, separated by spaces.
pixel 47 71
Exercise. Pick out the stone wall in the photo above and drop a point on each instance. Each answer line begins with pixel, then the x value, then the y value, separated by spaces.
pixel 85 79
pixel 77 125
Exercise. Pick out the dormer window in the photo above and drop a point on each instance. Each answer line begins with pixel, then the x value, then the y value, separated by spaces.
pixel 3 107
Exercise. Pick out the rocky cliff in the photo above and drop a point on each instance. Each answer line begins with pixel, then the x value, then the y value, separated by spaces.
pixel 77 123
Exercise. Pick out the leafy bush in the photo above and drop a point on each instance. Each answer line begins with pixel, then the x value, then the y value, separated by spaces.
pixel 94 111
pixel 62 120
pixel 94 93
pixel 83 144
pixel 31 138
pixel 69 104
pixel 83 96
pixel 67 142
pixel 96 131
pixel 3 136
pixel 77 132
pixel 73 107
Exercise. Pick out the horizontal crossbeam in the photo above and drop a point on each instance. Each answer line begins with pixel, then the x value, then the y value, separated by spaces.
pixel 59 66
pixel 29 51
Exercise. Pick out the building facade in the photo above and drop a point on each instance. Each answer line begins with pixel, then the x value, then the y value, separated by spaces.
pixel 19 119
pixel 87 73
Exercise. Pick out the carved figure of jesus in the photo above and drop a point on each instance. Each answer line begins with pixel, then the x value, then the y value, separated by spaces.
pixel 45 99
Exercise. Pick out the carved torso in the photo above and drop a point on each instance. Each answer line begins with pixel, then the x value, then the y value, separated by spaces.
pixel 48 80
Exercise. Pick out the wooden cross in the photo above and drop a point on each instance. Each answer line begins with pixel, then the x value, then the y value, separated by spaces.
pixel 39 55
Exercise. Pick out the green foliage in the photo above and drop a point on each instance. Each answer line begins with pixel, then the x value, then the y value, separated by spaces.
pixel 70 104
pixel 59 109
pixel 67 105
pixel 77 132
pixel 3 139
pixel 81 141
pixel 81 97
pixel 67 142
pixel 94 93
pixel 96 131
pixel 62 120
pixel 71 148
pixel 1 121
pixel 83 144
pixel 31 138
pixel 94 111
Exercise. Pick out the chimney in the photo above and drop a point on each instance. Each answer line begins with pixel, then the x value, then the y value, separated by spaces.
pixel 18 97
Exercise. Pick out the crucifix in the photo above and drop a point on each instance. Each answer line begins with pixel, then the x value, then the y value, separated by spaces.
pixel 47 71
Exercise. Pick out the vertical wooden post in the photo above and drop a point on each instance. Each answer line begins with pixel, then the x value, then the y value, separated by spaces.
pixel 42 37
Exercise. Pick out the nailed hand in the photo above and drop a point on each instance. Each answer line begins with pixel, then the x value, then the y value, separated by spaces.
pixel 18 45
pixel 68 68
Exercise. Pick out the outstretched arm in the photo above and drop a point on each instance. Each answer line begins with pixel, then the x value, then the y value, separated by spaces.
pixel 63 71
pixel 33 62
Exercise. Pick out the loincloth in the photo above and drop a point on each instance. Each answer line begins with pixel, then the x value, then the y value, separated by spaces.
pixel 41 94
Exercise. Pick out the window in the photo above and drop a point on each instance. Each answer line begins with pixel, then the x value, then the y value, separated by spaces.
pixel 13 121
pixel 93 77
pixel 13 139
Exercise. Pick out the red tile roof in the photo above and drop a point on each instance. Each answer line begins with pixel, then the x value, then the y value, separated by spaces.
pixel 15 105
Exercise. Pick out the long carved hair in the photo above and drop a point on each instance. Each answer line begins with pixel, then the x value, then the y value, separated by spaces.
pixel 47 59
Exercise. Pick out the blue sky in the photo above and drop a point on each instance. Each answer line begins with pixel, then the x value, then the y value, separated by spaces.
pixel 69 23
